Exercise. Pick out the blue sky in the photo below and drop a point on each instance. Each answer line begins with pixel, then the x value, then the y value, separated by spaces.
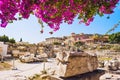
pixel 29 30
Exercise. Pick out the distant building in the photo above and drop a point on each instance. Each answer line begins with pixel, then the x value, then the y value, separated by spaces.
pixel 70 40
pixel 54 39
pixel 100 38
pixel 88 38
pixel 3 49
pixel 78 37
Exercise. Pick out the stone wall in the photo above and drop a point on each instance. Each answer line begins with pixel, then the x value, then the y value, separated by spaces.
pixel 21 49
pixel 71 64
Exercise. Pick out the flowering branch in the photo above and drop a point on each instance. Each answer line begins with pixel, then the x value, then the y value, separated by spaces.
pixel 55 12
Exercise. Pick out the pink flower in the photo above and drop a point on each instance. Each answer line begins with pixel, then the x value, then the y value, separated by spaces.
pixel 89 20
pixel 102 9
pixel 4 24
pixel 54 12
pixel 1 3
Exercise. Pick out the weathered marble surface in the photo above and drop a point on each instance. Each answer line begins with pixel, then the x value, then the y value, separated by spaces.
pixel 74 63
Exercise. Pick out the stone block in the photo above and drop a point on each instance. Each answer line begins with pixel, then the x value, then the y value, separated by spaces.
pixel 75 63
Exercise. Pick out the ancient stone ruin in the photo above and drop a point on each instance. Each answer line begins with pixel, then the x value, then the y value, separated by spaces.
pixel 75 63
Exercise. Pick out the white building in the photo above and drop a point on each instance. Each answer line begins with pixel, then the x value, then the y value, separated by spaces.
pixel 3 49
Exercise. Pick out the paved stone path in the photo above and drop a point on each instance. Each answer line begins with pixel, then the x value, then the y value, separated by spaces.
pixel 25 70
pixel 109 76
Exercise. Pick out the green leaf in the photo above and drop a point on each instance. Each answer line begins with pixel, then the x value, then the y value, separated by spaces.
pixel 100 14
pixel 10 21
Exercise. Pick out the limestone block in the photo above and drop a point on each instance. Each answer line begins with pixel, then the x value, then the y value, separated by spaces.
pixel 71 64
pixel 1 49
pixel 44 55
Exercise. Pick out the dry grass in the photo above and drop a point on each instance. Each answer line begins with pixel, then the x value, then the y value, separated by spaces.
pixel 104 58
pixel 42 77
pixel 5 66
